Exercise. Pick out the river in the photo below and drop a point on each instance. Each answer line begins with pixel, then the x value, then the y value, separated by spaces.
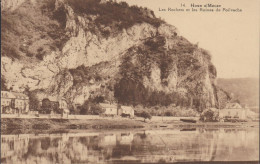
pixel 136 146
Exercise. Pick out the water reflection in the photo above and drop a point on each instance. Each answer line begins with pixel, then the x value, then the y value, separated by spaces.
pixel 142 146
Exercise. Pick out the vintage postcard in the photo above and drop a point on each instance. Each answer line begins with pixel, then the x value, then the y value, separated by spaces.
pixel 129 81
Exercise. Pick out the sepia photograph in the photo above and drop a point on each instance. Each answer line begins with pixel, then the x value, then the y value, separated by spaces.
pixel 129 81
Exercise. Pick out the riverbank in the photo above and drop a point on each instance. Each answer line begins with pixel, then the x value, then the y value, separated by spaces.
pixel 32 125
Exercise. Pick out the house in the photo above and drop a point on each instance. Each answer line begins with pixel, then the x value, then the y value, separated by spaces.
pixel 6 101
pixel 64 106
pixel 13 102
pixel 21 102
pixel 233 110
pixel 126 110
pixel 110 109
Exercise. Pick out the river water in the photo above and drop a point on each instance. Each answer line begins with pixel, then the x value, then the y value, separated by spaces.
pixel 135 146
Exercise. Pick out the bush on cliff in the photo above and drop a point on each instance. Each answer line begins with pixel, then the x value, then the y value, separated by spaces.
pixel 209 115
pixel 90 108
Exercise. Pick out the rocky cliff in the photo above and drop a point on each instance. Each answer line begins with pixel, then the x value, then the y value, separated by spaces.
pixel 87 48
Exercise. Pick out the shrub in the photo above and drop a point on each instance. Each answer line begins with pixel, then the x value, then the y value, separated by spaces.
pixel 111 12
pixel 209 115
pixel 168 113
pixel 98 99
pixel 3 84
pixel 96 109
pixel 38 56
pixel 90 108
pixel 146 115
pixel 40 49
pixel 30 54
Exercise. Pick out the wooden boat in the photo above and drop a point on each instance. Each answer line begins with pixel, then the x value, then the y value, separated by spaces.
pixel 163 126
pixel 191 129
pixel 188 120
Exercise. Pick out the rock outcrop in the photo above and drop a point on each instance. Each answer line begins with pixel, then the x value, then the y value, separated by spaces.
pixel 77 52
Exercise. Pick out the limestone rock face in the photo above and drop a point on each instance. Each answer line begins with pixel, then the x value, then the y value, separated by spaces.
pixel 10 4
pixel 86 62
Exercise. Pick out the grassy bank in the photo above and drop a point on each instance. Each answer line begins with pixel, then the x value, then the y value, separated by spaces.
pixel 23 124
pixel 20 125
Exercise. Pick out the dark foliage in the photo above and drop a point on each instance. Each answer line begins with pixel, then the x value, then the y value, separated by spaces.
pixel 84 74
pixel 46 106
pixel 209 116
pixel 128 91
pixel 27 25
pixel 212 70
pixel 90 108
pixel 3 84
pixel 183 47
pixel 155 43
pixel 49 106
pixel 98 99
pixel 110 13
pixel 60 16
pixel 168 113
pixel 146 115
pixel 34 103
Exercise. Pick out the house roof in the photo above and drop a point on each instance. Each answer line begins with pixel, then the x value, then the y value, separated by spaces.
pixel 105 105
pixel 233 106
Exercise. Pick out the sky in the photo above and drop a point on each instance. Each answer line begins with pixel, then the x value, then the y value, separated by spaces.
pixel 231 37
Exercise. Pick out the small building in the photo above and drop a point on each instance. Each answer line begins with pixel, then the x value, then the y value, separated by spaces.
pixel 233 110
pixel 13 102
pixel 127 110
pixel 65 113
pixel 6 101
pixel 63 104
pixel 110 109
pixel 21 102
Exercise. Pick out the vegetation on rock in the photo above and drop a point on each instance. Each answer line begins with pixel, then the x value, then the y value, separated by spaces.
pixel 209 115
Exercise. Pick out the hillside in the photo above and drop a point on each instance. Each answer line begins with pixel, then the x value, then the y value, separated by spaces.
pixel 246 90
pixel 83 49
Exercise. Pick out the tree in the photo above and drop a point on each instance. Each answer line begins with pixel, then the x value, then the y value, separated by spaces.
pixel 84 108
pixel 46 105
pixel 209 116
pixel 34 103
pixel 3 84
pixel 96 109
pixel 146 115
pixel 90 108
pixel 168 113
pixel 98 99
pixel 128 91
